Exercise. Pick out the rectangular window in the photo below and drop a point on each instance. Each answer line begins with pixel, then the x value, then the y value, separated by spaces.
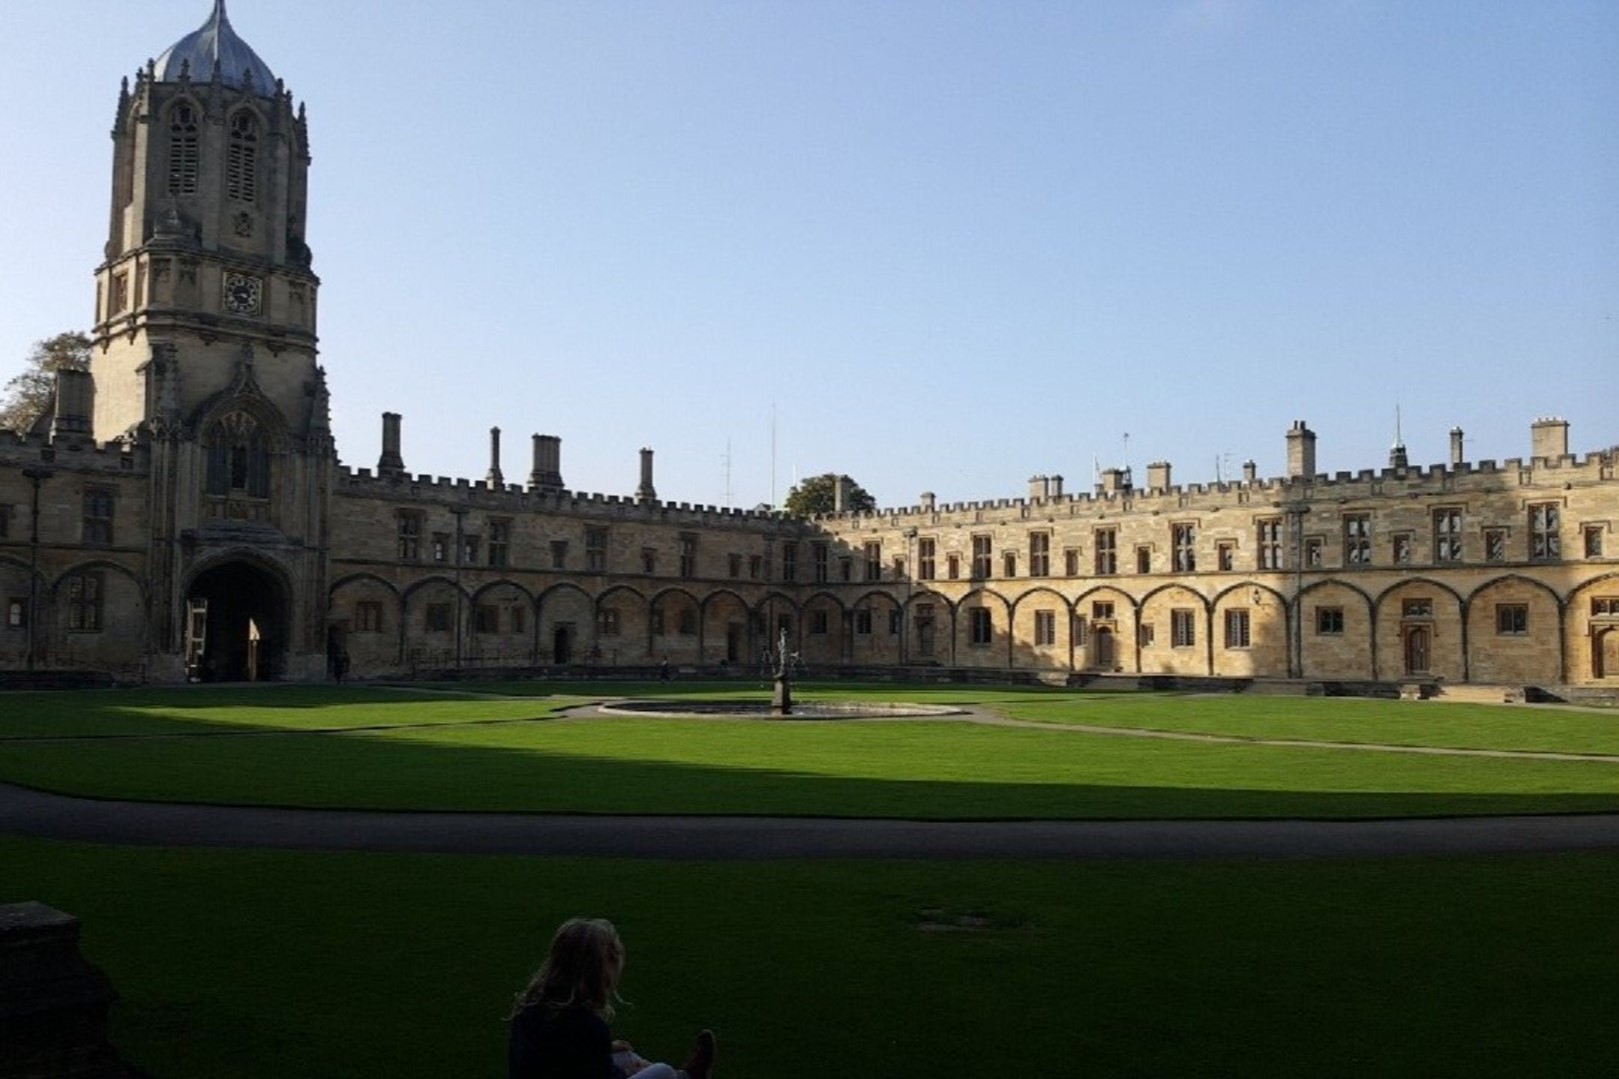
pixel 1183 538
pixel 1592 533
pixel 84 609
pixel 367 617
pixel 607 621
pixel 596 550
pixel 789 561
pixel 1237 628
pixel 500 532
pixel 874 560
pixel 1495 545
pixel 1447 535
pixel 408 526
pixel 1545 540
pixel 657 622
pixel 845 569
pixel 818 623
pixel 1039 554
pixel 98 515
pixel 756 567
pixel 1401 547
pixel 862 621
pixel 1009 563
pixel 1357 539
pixel 1417 608
pixel 1511 619
pixel 1604 606
pixel 1070 561
pixel 1182 628
pixel 980 628
pixel 1329 621
pixel 895 618
pixel 1107 552
pixel 924 629
pixel 688 554
pixel 820 559
pixel 899 568
pixel 981 557
pixel 1314 551
pixel 1045 627
pixel 926 550
pixel 733 562
pixel 16 613
pixel 517 620
pixel 1144 559
pixel 952 566
pixel 559 554
pixel 469 550
pixel 1078 630
pixel 486 618
pixel 438 618
pixel 1225 556
pixel 1146 634
pixel 1270 543
pixel 441 546
pixel 1102 610
pixel 649 560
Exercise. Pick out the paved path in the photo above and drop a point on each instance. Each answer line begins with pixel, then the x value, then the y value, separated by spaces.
pixel 35 813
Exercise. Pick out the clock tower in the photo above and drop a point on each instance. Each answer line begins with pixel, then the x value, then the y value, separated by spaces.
pixel 205 258
pixel 204 360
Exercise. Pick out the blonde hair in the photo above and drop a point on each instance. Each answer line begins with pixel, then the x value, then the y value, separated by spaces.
pixel 582 969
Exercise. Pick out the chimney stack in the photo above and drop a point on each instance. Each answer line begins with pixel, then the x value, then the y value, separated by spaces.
pixel 73 405
pixel 1055 486
pixel 1548 437
pixel 1039 488
pixel 842 494
pixel 1158 476
pixel 494 479
pixel 390 463
pixel 1456 457
pixel 547 471
pixel 1300 452
pixel 1250 472
pixel 646 492
pixel 927 500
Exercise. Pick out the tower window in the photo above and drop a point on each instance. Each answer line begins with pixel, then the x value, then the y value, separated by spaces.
pixel 183 150
pixel 238 458
pixel 241 162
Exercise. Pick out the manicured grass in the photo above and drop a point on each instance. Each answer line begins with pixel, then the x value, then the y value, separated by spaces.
pixel 446 753
pixel 269 964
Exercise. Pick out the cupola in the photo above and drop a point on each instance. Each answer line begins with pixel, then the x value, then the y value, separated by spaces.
pixel 215 42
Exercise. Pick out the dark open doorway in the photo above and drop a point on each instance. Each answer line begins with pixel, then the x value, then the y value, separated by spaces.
pixel 236 625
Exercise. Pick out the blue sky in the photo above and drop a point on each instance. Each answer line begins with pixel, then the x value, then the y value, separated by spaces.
pixel 946 245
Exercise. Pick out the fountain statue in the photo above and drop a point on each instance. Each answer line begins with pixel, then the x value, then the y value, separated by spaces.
pixel 781 700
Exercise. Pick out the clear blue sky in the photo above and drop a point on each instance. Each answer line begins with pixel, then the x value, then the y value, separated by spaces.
pixel 950 244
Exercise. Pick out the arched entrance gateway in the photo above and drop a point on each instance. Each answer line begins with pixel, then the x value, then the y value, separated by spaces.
pixel 236 624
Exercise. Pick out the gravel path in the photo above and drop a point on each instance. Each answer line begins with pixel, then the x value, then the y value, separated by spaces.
pixel 53 816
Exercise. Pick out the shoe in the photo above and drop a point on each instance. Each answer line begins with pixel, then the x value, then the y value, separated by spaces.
pixel 700 1065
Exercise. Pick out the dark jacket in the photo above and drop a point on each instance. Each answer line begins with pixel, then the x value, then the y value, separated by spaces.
pixel 560 1043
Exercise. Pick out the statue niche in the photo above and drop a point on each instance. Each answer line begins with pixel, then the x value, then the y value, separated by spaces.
pixel 237 483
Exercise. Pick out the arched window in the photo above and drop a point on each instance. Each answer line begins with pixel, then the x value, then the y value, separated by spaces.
pixel 183 150
pixel 238 458
pixel 241 165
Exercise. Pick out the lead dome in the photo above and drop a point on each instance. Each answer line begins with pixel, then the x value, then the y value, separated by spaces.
pixel 215 41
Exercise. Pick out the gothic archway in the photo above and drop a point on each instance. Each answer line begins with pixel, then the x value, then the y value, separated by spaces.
pixel 237 624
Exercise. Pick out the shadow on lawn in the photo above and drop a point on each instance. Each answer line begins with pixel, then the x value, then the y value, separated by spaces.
pixel 366 771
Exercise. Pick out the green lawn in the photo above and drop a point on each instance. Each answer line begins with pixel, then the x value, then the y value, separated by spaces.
pixel 376 748
pixel 269 964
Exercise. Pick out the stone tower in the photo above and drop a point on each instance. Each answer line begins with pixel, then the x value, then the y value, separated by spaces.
pixel 205 353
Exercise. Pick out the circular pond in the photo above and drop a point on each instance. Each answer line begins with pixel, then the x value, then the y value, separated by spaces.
pixel 761 709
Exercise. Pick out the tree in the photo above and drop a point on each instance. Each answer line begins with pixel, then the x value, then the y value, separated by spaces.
pixel 818 494
pixel 28 394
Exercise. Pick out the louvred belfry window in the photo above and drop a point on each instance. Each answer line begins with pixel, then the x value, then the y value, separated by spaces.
pixel 183 150
pixel 241 163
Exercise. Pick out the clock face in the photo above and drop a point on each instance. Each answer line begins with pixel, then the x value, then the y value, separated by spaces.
pixel 243 293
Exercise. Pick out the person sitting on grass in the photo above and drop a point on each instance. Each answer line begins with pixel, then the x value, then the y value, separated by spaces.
pixel 559 1023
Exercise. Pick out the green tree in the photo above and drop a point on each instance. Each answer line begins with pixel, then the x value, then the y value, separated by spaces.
pixel 27 394
pixel 817 494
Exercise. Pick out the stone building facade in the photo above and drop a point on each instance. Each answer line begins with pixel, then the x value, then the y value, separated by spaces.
pixel 180 512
